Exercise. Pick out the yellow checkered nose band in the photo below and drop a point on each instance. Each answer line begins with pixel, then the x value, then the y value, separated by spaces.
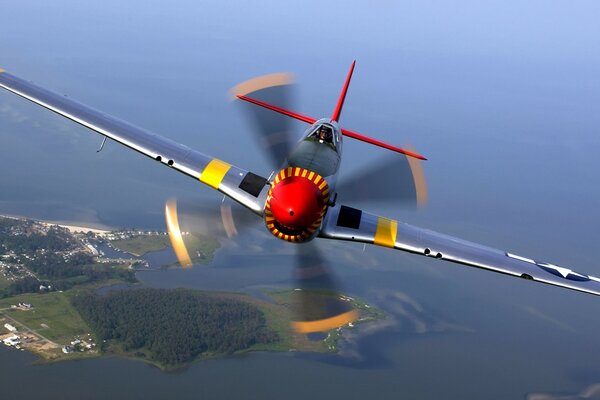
pixel 296 203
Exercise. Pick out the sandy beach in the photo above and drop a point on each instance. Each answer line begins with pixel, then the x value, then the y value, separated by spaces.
pixel 83 227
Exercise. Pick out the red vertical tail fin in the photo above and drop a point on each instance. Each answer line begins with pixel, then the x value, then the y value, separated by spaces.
pixel 338 108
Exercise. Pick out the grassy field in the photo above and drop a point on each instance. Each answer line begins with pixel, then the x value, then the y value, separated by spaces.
pixel 108 267
pixel 4 283
pixel 54 310
pixel 201 247
pixel 140 245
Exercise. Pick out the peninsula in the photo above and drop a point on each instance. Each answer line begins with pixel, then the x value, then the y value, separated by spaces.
pixel 50 304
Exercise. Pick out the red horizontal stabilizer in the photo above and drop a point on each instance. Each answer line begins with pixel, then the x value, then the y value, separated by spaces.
pixel 345 132
pixel 280 110
pixel 367 139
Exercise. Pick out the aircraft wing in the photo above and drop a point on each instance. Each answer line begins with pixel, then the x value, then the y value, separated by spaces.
pixel 243 186
pixel 346 223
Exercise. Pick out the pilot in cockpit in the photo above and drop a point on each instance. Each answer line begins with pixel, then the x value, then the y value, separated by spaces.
pixel 324 134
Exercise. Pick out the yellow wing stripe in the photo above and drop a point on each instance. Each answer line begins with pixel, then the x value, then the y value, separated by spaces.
pixel 214 173
pixel 386 232
pixel 2 70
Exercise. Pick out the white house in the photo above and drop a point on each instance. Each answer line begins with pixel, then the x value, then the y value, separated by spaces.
pixel 12 341
pixel 10 327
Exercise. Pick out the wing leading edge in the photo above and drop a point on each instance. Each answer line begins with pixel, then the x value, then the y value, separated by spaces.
pixel 245 187
pixel 346 223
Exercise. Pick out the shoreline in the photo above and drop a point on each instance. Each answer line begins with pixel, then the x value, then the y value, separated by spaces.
pixel 72 226
pixel 277 316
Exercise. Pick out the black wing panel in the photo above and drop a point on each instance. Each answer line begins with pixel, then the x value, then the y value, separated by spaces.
pixel 341 223
pixel 213 172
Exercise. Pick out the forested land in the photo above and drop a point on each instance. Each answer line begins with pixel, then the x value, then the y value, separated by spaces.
pixel 174 326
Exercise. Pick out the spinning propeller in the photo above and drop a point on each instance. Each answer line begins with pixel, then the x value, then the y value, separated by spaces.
pixel 308 174
pixel 318 306
pixel 316 302
pixel 403 173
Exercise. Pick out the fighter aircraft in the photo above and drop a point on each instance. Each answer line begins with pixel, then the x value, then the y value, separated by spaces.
pixel 299 203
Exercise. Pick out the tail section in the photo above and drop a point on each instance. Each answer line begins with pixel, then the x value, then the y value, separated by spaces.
pixel 334 117
pixel 338 108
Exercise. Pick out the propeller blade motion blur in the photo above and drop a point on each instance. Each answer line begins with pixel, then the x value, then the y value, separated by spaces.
pixel 318 304
pixel 404 177
pixel 192 226
pixel 273 131
pixel 176 235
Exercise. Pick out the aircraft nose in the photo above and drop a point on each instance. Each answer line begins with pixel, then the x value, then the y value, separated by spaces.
pixel 296 203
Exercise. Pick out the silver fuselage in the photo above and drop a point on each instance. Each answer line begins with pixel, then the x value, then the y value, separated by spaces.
pixel 314 154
